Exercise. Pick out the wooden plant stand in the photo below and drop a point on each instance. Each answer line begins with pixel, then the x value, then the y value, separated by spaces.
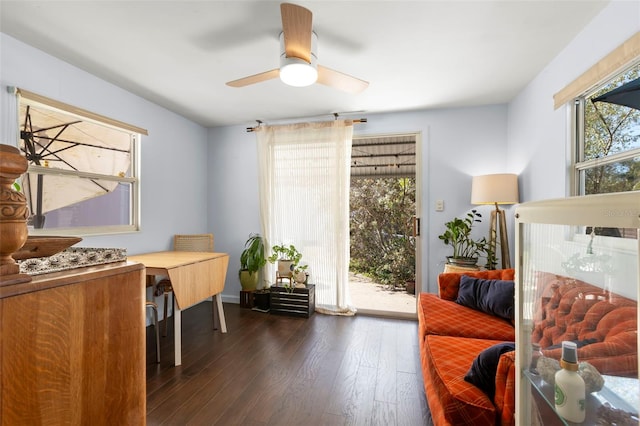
pixel 300 302
pixel 246 298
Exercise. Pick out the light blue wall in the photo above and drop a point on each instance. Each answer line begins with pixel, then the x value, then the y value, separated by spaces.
pixel 456 144
pixel 233 195
pixel 538 134
pixel 174 156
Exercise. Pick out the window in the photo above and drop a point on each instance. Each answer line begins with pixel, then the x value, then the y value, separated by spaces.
pixel 83 175
pixel 607 136
pixel 607 129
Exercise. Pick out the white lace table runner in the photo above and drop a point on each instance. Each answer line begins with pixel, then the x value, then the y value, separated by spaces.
pixel 73 257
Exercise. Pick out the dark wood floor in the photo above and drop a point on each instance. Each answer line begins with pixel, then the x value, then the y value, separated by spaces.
pixel 277 370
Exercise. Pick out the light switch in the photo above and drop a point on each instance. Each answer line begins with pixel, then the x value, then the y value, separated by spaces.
pixel 439 205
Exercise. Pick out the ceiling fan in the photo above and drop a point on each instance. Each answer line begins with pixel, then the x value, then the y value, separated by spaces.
pixel 298 57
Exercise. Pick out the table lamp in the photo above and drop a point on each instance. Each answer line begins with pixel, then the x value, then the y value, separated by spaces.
pixel 496 189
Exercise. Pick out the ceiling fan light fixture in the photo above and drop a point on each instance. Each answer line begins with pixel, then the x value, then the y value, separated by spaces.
pixel 297 72
pixel 299 57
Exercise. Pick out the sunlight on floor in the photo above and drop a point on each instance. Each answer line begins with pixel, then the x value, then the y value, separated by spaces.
pixel 368 295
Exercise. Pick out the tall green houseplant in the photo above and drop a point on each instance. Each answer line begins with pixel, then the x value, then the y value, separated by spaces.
pixel 252 259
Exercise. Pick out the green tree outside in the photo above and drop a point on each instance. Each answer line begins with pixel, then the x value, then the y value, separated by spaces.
pixel 381 226
pixel 610 129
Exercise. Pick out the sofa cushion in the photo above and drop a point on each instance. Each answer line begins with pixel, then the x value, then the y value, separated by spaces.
pixel 483 370
pixel 448 282
pixel 495 297
pixel 505 398
pixel 452 400
pixel 447 318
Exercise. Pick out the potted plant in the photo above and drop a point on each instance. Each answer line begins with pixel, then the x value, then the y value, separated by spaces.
pixel 288 258
pixel 252 259
pixel 466 250
pixel 300 274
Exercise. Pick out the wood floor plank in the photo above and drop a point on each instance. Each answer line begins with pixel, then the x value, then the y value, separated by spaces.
pixel 407 350
pixel 277 371
pixel 411 404
pixel 310 405
pixel 387 365
pixel 384 413
pixel 359 407
pixel 329 419
pixel 353 394
pixel 371 349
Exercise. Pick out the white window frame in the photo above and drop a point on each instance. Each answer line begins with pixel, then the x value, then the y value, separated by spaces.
pixel 133 179
pixel 579 164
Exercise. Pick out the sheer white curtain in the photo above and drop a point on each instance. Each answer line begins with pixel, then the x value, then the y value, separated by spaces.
pixel 304 200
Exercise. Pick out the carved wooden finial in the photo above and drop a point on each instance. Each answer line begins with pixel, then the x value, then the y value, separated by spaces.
pixel 13 215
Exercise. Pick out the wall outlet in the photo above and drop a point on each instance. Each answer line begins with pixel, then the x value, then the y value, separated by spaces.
pixel 439 205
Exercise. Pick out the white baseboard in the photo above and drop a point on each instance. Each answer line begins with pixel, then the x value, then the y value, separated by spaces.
pixel 230 299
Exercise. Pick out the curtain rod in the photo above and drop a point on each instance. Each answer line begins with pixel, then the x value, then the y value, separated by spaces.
pixel 253 129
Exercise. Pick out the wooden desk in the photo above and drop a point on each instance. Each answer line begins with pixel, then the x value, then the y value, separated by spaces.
pixel 194 276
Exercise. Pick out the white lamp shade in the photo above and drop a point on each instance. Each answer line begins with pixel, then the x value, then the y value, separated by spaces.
pixel 499 188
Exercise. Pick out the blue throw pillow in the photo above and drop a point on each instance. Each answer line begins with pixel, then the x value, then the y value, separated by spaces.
pixel 495 297
pixel 483 370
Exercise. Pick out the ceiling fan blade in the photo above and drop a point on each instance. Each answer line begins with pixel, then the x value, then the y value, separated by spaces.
pixel 297 28
pixel 340 80
pixel 256 78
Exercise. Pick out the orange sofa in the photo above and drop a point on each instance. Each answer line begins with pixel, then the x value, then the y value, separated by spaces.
pixel 451 336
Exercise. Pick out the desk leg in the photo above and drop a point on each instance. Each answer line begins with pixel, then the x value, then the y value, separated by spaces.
pixel 177 333
pixel 223 323
pixel 214 313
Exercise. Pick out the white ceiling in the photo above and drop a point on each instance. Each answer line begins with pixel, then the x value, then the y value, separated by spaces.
pixel 415 54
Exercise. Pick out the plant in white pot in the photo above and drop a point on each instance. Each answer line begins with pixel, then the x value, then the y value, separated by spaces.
pixel 300 275
pixel 252 259
pixel 288 259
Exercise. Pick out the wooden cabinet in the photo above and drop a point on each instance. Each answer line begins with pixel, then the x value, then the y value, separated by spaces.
pixel 73 348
